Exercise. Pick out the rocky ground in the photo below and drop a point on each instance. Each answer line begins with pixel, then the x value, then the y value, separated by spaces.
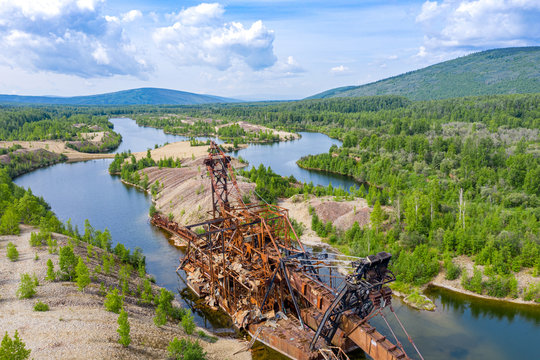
pixel 77 326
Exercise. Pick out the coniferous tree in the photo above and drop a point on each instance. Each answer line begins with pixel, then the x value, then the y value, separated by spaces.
pixel 83 277
pixel 123 329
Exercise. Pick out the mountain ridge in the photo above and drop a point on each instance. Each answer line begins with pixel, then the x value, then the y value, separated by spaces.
pixel 138 96
pixel 497 71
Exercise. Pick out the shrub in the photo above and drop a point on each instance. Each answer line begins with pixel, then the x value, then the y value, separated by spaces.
pixel 39 306
pixel 113 301
pixel 12 252
pixel 187 323
pixel 27 287
pixel 67 262
pixel 185 349
pixel 51 275
pixel 123 329
pixel 83 277
pixel 161 317
pixel 13 349
pixel 453 271
pixel 147 296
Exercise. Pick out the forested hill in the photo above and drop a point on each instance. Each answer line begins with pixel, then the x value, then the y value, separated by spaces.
pixel 142 96
pixel 499 71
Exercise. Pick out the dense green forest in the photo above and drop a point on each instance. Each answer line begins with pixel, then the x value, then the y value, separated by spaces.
pixel 498 71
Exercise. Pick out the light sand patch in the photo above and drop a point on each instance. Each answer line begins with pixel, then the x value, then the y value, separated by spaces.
pixel 180 150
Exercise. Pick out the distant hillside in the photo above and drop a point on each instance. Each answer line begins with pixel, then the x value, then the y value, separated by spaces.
pixel 499 71
pixel 142 96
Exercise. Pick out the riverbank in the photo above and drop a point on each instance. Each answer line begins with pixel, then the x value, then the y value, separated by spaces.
pixel 342 214
pixel 77 324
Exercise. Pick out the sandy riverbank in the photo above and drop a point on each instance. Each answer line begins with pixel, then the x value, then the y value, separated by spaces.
pixel 77 326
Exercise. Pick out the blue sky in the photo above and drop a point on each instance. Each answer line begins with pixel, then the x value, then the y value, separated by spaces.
pixel 245 49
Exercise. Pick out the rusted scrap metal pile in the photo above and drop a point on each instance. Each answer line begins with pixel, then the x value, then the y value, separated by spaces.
pixel 246 260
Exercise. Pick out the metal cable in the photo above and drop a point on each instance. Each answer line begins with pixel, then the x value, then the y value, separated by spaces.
pixel 406 333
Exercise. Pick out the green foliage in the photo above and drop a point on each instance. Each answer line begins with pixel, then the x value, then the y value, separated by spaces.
pixel 188 324
pixel 147 295
pixel 67 263
pixel 38 239
pixel 11 252
pixel 51 275
pixel 123 329
pixel 13 349
pixel 83 276
pixel 453 271
pixel 417 267
pixel 9 222
pixel 377 216
pixel 113 301
pixel 185 349
pixel 532 293
pixel 27 287
pixel 39 306
pixel 123 278
pixel 488 72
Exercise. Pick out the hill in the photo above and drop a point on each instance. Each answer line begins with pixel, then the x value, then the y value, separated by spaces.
pixel 142 96
pixel 498 71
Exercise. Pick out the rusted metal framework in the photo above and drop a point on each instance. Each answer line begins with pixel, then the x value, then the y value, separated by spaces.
pixel 246 259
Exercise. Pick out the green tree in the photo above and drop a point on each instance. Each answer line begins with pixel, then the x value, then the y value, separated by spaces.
pixel 123 329
pixel 113 301
pixel 9 222
pixel 83 277
pixel 27 287
pixel 67 262
pixel 188 324
pixel 51 275
pixel 377 216
pixel 13 349
pixel 11 252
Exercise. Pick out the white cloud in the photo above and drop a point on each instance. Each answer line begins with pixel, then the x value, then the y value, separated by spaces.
pixel 200 37
pixel 460 25
pixel 339 69
pixel 131 15
pixel 67 37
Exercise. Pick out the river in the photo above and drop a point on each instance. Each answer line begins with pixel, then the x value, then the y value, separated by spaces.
pixel 461 328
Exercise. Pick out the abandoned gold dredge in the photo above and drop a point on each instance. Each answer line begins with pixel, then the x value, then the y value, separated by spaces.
pixel 249 262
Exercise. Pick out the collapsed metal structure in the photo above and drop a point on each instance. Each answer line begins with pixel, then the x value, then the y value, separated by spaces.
pixel 247 260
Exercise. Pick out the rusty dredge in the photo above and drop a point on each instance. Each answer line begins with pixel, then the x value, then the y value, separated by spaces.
pixel 303 305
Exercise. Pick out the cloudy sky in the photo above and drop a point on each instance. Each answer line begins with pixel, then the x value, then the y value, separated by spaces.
pixel 248 49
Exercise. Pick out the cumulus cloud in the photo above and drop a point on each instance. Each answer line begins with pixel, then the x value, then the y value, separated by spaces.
pixel 199 36
pixel 459 25
pixel 339 70
pixel 131 15
pixel 68 37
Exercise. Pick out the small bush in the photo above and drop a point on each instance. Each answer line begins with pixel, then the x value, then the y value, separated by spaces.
pixel 188 324
pixel 453 271
pixel 113 301
pixel 51 275
pixel 12 252
pixel 67 263
pixel 83 277
pixel 185 349
pixel 123 329
pixel 13 349
pixel 27 287
pixel 39 306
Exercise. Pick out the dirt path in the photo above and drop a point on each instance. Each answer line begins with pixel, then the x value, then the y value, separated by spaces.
pixel 77 326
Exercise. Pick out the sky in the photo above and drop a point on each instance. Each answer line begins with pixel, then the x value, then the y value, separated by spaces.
pixel 244 49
